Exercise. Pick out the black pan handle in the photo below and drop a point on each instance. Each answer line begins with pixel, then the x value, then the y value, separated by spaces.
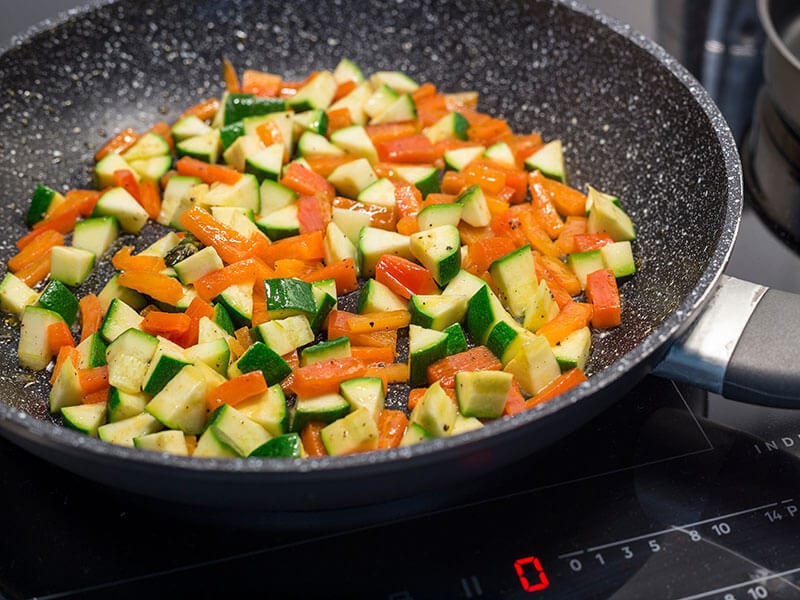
pixel 745 345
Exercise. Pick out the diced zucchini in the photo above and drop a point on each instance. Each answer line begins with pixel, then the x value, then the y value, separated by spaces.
pixel 379 100
pixel 439 251
pixel 347 70
pixel 209 446
pixel 458 158
pixel 351 222
pixel 415 433
pixel 515 277
pixel 15 294
pixel 594 193
pixel 464 284
pixel 476 209
pixel 44 200
pixel 402 109
pixel 266 163
pixel 228 134
pixel 268 410
pixel 435 412
pixel 456 340
pixel 380 193
pixel 244 193
pixel 338 246
pixel 573 351
pixel 437 215
pixel 206 147
pixel 324 300
pixel 364 392
pixel 112 289
pixel 549 159
pixel 425 179
pixel 287 334
pixel 437 311
pixel 501 154
pixel 396 80
pixel 619 258
pixel 374 243
pixel 452 126
pixel 355 103
pixel 275 196
pixel 123 432
pixel 129 358
pixel 171 442
pixel 315 121
pixel 376 297
pixel 215 353
pixel 168 360
pixel 313 143
pixel 607 217
pixel 425 346
pixel 324 409
pixel 287 297
pixel 260 357
pixel 505 340
pixel 222 318
pixel 357 432
pixel 86 418
pixel 335 348
pixel 147 146
pixel 281 223
pixel 181 403
pixel 70 265
pixel 178 188
pixel 354 140
pixel 197 265
pixel 287 445
pixel 482 394
pixel 583 263
pixel 189 127
pixel 119 318
pixel 316 94
pixel 534 366
pixel 95 235
pixel 33 350
pixel 237 300
pixel 66 390
pixel 464 424
pixel 236 107
pixel 152 169
pixel 124 405
pixel 117 202
pixel 352 177
pixel 60 300
pixel 541 308
pixel 92 352
pixel 484 311
pixel 237 431
pixel 105 168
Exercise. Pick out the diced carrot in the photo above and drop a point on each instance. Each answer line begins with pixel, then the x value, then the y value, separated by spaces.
pixel 307 183
pixel 35 250
pixel 392 426
pixel 35 272
pixel 311 436
pixel 479 358
pixel 159 287
pixel 404 277
pixel 339 119
pixel 388 373
pixel 545 210
pixel 568 201
pixel 209 286
pixel 207 173
pixel 260 83
pixel 515 401
pixel 377 355
pixel 324 164
pixel 123 260
pixel 379 321
pixel 572 317
pixel 344 272
pixel 325 376
pixel 150 198
pixel 563 383
pixel 93 379
pixel 343 89
pixel 603 294
pixel 236 390
pixel 407 225
pixel 231 79
pixel 97 397
pixel 591 241
pixel 231 245
pixel 58 335
pixel 119 143
pixel 391 131
pixel 306 246
pixel 166 324
pixel 453 182
pixel 204 110
pixel 91 315
pixel 415 149
pixel 490 178
pixel 560 273
pixel 566 239
pixel 485 251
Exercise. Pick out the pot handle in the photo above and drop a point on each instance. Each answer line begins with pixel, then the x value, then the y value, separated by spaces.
pixel 745 346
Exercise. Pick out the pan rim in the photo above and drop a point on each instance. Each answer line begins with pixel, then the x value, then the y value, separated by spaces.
pixel 22 425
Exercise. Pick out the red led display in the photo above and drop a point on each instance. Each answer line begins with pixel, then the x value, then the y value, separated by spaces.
pixel 531 582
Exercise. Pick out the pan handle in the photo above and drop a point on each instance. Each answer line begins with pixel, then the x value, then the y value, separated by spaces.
pixel 745 346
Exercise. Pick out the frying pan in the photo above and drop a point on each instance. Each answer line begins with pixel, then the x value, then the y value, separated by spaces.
pixel 635 123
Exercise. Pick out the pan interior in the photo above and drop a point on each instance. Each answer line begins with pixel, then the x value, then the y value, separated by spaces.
pixel 631 127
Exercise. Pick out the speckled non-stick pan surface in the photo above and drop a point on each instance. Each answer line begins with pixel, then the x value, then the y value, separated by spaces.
pixel 634 122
